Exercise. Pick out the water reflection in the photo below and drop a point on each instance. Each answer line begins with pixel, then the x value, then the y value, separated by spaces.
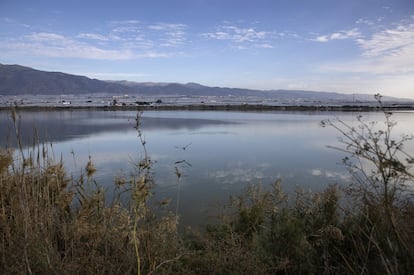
pixel 58 126
pixel 227 150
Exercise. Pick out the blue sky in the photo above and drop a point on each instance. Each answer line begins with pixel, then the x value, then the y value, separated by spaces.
pixel 353 46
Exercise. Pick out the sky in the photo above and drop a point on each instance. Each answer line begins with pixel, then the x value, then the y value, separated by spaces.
pixel 353 46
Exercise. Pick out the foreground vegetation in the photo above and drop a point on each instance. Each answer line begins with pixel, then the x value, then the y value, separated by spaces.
pixel 53 224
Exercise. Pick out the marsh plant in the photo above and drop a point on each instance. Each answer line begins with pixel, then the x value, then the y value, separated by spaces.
pixel 51 223
pixel 382 190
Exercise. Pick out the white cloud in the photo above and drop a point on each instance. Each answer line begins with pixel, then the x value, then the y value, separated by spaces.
pixel 153 54
pixel 345 34
pixel 125 22
pixel 167 26
pixel 390 42
pixel 45 37
pixel 126 26
pixel 364 22
pixel 385 63
pixel 236 34
pixel 322 38
pixel 12 21
pixel 264 46
pixel 93 36
pixel 140 35
pixel 122 40
pixel 126 29
pixel 340 35
pixel 59 46
pixel 387 52
pixel 55 45
pixel 171 34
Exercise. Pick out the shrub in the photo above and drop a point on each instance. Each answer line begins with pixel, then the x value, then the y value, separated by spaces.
pixel 382 192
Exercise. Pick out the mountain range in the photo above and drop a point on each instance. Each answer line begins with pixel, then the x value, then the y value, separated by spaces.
pixel 21 80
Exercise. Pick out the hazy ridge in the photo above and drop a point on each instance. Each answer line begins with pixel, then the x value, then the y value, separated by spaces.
pixel 21 80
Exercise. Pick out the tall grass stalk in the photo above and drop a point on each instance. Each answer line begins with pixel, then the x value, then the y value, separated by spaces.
pixel 52 223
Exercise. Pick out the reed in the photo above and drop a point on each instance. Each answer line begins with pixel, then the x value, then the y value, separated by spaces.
pixel 51 223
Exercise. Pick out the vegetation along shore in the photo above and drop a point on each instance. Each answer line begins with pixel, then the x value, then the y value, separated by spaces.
pixel 223 107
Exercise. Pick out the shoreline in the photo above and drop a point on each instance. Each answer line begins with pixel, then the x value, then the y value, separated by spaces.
pixel 219 107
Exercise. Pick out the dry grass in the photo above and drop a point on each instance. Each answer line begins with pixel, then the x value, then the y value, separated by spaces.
pixel 50 223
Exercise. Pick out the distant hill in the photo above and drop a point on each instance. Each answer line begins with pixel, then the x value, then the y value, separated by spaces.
pixel 16 79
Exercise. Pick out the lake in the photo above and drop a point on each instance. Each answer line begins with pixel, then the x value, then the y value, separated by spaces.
pixel 218 153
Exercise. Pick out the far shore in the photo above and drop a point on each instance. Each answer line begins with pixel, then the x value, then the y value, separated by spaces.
pixel 220 107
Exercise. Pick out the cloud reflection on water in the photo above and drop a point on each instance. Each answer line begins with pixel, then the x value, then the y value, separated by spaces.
pixel 228 149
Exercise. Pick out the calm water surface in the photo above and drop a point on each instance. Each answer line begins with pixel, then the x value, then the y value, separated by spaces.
pixel 224 151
